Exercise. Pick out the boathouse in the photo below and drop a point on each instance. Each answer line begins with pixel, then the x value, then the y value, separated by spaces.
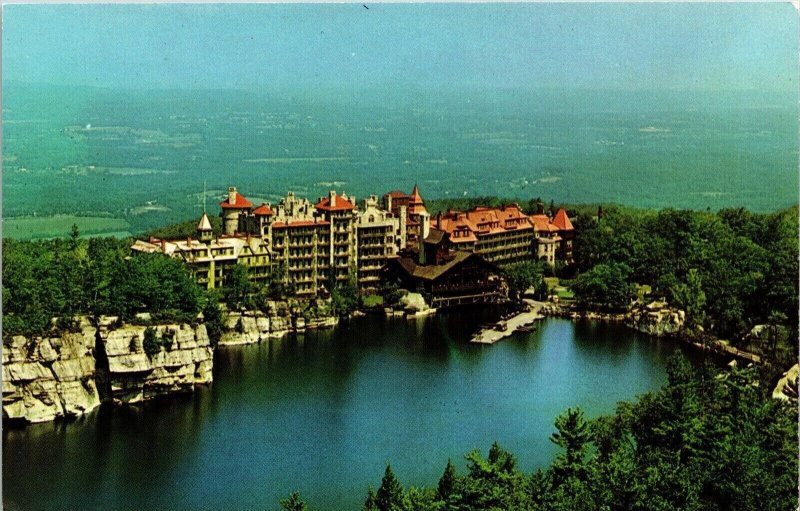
pixel 451 279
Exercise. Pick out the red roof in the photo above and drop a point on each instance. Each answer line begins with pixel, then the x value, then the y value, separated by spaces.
pixel 263 210
pixel 396 194
pixel 341 204
pixel 542 223
pixel 483 221
pixel 241 203
pixel 561 220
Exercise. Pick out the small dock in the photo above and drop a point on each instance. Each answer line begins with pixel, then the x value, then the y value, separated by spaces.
pixel 503 329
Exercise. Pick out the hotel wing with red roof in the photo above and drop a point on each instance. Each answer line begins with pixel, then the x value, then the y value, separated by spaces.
pixel 505 234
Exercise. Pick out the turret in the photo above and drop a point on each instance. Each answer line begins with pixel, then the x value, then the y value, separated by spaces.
pixel 234 206
pixel 204 230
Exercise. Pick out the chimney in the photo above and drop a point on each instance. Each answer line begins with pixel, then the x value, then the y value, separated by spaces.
pixel 439 220
pixel 232 195
pixel 425 228
pixel 164 246
pixel 332 196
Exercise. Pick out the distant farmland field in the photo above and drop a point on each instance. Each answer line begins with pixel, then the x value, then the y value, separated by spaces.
pixel 30 227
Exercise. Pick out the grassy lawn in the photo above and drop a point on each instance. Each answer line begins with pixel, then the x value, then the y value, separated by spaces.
pixel 555 286
pixel 552 282
pixel 30 227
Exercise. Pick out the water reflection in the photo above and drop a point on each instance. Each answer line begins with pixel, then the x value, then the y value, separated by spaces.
pixel 322 412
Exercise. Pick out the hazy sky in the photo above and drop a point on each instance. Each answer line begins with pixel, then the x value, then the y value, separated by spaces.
pixel 616 46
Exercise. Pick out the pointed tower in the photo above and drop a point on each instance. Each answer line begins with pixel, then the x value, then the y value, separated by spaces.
pixel 415 203
pixel 204 230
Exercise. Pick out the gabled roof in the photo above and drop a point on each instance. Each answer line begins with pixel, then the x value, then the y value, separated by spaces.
pixel 482 221
pixel 397 194
pixel 542 223
pixel 240 203
pixel 435 271
pixel 263 210
pixel 341 204
pixel 204 224
pixel 562 221
pixel 435 236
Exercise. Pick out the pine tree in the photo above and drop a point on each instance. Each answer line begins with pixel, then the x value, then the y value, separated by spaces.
pixel 390 494
pixel 447 482
pixel 573 436
pixel 294 503
pixel 371 502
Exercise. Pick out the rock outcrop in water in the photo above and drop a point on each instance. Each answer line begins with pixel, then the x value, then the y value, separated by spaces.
pixel 280 319
pixel 130 375
pixel 45 378
pixel 656 319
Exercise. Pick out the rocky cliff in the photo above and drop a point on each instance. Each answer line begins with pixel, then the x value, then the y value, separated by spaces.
pixel 49 377
pixel 280 318
pixel 130 375
pixel 70 373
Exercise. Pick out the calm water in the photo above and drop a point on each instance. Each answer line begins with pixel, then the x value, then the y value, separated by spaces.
pixel 323 413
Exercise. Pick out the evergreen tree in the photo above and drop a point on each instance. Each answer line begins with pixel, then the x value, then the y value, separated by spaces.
pixel 294 503
pixel 390 493
pixel 573 436
pixel 212 318
pixel 371 502
pixel 448 481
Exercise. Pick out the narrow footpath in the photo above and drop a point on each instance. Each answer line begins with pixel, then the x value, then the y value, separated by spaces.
pixel 511 325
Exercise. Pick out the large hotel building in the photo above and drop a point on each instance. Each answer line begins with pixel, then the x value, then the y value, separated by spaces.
pixel 321 244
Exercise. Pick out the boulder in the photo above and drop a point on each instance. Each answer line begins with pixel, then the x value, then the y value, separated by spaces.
pixel 413 303
pixel 786 389
pixel 657 319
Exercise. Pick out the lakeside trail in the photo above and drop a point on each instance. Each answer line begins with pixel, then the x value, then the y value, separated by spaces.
pixel 525 318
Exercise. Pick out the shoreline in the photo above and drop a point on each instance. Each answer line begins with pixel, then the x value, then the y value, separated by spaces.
pixel 713 345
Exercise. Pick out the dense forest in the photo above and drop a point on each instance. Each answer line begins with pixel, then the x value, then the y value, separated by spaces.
pixel 729 270
pixel 708 440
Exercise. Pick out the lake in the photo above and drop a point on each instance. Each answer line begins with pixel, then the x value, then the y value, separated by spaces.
pixel 324 412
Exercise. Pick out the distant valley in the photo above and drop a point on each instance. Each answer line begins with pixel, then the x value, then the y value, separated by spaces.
pixel 128 161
